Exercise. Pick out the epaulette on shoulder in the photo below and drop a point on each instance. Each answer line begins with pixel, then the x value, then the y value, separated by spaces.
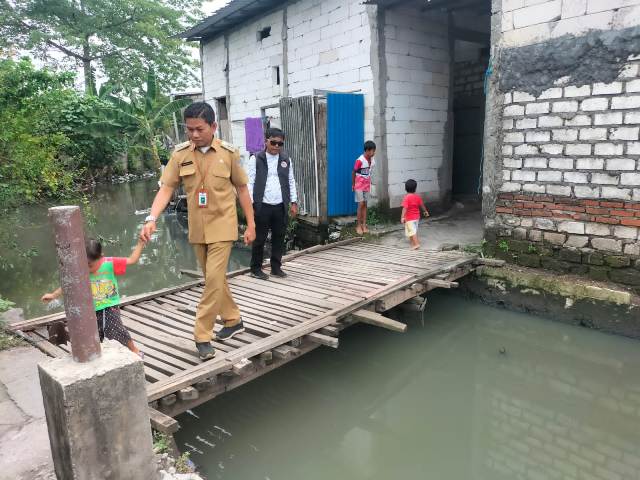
pixel 228 146
pixel 181 146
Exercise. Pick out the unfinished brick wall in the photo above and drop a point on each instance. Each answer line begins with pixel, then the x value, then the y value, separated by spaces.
pixel 566 181
pixel 571 177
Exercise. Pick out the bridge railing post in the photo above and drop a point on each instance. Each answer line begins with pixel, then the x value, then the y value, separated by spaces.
pixel 74 281
pixel 95 401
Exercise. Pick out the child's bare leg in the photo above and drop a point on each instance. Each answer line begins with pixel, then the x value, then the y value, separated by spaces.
pixel 359 219
pixel 364 218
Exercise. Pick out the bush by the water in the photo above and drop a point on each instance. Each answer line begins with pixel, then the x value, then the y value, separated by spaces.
pixel 47 146
pixel 43 152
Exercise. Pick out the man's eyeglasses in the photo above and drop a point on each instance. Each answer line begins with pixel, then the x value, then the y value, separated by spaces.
pixel 275 143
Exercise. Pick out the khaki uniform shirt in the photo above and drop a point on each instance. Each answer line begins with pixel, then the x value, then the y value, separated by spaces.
pixel 218 221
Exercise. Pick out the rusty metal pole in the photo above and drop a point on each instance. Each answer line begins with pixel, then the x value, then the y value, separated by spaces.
pixel 74 280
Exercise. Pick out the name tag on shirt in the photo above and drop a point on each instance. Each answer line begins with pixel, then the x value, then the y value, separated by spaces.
pixel 202 198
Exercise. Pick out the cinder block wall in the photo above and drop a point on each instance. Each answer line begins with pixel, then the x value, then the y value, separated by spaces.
pixel 417 61
pixel 566 171
pixel 328 47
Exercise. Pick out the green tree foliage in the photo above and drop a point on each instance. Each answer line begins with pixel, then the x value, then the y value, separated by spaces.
pixel 43 151
pixel 142 118
pixel 121 38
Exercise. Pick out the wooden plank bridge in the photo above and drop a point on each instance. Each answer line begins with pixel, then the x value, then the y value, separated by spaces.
pixel 328 288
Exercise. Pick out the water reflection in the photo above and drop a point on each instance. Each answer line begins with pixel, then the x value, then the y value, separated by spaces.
pixel 118 212
pixel 439 402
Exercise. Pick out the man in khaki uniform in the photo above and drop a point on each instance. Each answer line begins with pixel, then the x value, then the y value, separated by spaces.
pixel 211 173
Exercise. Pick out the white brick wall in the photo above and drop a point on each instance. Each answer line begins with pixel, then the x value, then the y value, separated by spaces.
pixel 532 21
pixel 329 44
pixel 583 149
pixel 417 103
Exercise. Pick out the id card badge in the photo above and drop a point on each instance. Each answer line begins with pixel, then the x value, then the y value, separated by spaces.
pixel 202 198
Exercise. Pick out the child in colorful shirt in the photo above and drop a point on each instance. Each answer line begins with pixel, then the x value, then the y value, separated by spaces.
pixel 411 206
pixel 361 184
pixel 106 294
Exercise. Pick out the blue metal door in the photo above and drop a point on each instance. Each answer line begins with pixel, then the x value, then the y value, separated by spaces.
pixel 345 138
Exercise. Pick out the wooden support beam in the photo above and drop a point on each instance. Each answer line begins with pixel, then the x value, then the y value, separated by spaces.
pixel 242 367
pixel 373 318
pixel 284 352
pixel 330 331
pixel 42 344
pixel 163 423
pixel 323 339
pixel 490 262
pixel 437 283
pixel 265 358
pixel 188 393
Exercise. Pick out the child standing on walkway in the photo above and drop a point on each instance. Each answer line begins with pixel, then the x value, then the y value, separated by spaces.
pixel 411 206
pixel 361 184
pixel 104 288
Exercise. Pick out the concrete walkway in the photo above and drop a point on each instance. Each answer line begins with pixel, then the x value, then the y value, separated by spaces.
pixel 461 227
pixel 25 453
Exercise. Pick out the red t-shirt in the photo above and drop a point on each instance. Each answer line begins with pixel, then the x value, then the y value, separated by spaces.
pixel 119 264
pixel 363 169
pixel 412 203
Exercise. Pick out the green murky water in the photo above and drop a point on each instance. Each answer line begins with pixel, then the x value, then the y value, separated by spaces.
pixel 118 212
pixel 439 402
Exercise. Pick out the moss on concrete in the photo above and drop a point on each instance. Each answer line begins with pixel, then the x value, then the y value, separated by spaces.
pixel 550 283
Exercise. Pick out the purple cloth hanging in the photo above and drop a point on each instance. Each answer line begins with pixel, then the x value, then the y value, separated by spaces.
pixel 254 135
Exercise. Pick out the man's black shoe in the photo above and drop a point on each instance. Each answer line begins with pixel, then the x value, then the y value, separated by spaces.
pixel 260 274
pixel 205 350
pixel 278 273
pixel 228 332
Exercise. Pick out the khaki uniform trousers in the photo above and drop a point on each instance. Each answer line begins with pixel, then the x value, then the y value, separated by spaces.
pixel 216 298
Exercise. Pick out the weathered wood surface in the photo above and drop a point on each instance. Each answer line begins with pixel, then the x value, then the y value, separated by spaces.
pixel 283 317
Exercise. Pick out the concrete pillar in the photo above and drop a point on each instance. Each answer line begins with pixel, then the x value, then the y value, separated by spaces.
pixel 97 416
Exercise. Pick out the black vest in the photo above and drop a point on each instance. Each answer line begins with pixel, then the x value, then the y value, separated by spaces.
pixel 261 179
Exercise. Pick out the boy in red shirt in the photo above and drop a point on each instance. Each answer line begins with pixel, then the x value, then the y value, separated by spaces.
pixel 361 184
pixel 411 206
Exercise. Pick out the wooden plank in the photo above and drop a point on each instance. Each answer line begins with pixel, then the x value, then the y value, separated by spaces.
pixel 187 357
pixel 290 303
pixel 490 262
pixel 42 344
pixel 283 292
pixel 323 339
pixel 275 283
pixel 305 286
pixel 163 423
pixel 313 275
pixel 373 318
pixel 350 272
pixel 161 354
pixel 437 283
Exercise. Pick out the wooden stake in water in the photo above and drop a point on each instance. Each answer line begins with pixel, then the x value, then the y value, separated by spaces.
pixel 74 280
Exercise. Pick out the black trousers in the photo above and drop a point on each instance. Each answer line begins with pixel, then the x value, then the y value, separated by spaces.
pixel 269 217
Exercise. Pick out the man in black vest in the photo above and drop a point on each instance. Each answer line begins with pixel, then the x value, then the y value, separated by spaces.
pixel 273 189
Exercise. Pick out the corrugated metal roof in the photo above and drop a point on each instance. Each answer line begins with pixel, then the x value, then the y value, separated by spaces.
pixel 232 14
